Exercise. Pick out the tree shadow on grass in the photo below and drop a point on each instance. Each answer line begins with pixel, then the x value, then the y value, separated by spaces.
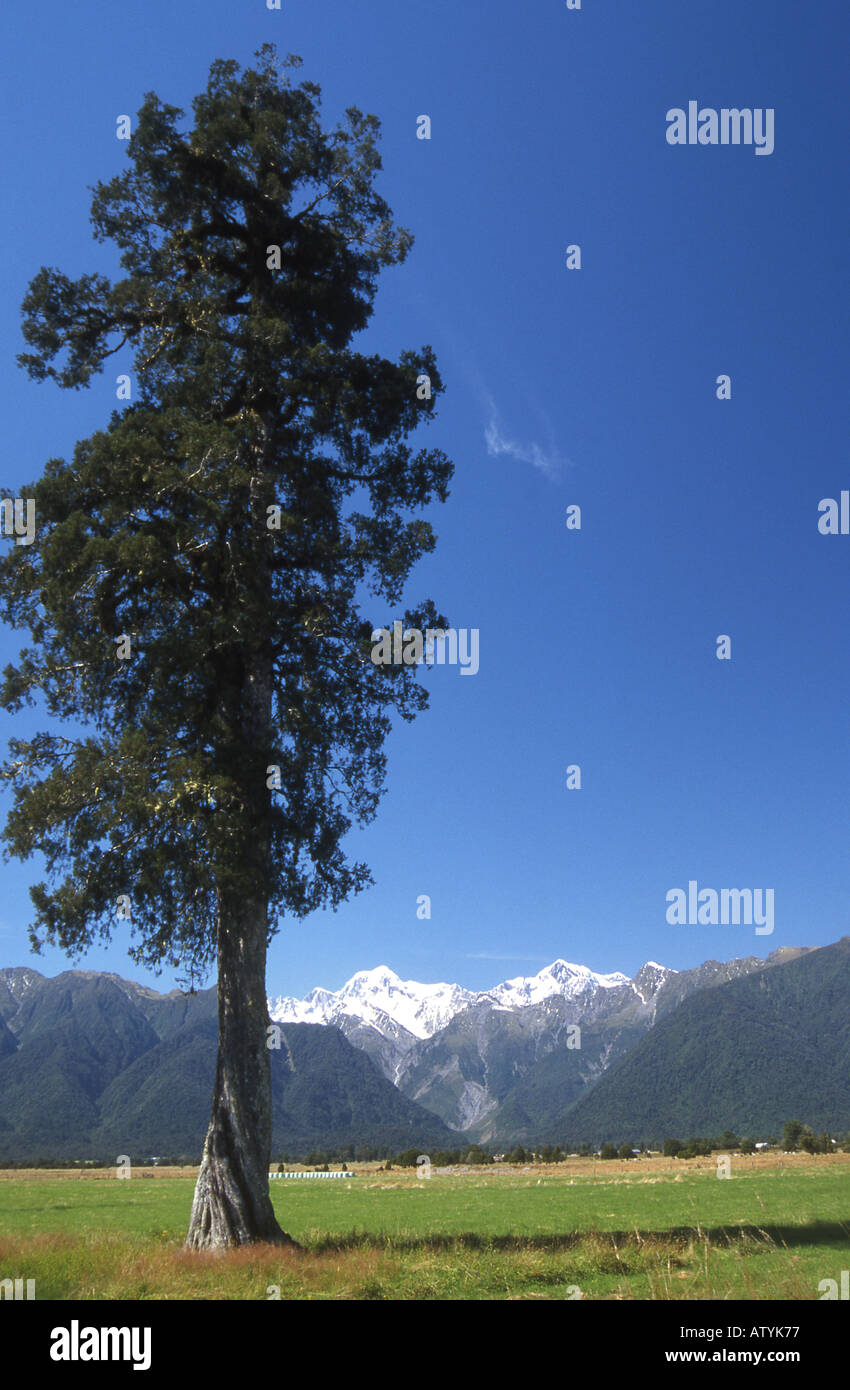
pixel 781 1236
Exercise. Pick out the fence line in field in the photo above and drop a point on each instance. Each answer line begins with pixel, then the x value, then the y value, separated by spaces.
pixel 310 1175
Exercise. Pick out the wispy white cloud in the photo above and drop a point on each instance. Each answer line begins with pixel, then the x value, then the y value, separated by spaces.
pixel 546 460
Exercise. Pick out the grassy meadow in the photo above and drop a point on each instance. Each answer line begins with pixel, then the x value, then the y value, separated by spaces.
pixel 650 1228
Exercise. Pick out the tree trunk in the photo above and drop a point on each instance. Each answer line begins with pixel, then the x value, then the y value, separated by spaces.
pixel 232 1204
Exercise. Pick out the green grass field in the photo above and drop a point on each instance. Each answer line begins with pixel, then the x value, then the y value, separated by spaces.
pixel 648 1229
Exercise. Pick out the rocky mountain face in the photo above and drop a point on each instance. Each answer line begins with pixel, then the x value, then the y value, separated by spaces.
pixel 95 1065
pixel 490 1064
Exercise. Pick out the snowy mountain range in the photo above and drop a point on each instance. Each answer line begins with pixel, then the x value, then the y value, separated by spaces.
pixel 481 1061
pixel 91 1062
pixel 384 1001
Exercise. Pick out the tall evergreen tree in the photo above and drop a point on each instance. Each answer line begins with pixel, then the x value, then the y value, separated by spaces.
pixel 792 1134
pixel 195 588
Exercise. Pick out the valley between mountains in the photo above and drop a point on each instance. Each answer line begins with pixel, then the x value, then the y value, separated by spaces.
pixel 92 1065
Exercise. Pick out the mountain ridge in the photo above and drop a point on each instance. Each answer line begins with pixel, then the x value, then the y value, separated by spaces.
pixel 94 1065
pixel 463 1069
pixel 90 1058
pixel 423 1009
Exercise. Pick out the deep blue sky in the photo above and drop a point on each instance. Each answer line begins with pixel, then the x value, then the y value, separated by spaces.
pixel 699 516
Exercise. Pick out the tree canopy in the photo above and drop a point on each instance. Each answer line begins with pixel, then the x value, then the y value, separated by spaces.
pixel 158 530
pixel 194 593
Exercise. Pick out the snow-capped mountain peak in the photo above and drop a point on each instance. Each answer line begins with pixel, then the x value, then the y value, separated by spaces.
pixel 382 999
pixel 650 978
pixel 561 977
pixel 374 995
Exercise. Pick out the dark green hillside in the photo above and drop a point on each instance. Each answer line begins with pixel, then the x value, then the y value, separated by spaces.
pixel 161 1104
pixel 92 1067
pixel 746 1055
pixel 326 1088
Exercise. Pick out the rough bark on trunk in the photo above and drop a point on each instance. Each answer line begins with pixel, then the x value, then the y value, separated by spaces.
pixel 232 1204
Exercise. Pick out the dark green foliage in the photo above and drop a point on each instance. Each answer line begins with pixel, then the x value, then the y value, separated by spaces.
pixel 792 1133
pixel 476 1155
pixel 696 1148
pixel 194 590
pixel 408 1158
pixel 442 1158
pixel 248 648
pixel 101 1067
